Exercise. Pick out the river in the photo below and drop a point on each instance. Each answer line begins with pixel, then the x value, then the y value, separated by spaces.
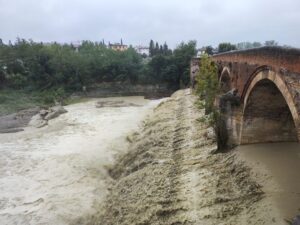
pixel 277 168
pixel 56 174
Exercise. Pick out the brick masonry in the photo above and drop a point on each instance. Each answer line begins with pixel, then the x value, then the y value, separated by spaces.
pixel 268 83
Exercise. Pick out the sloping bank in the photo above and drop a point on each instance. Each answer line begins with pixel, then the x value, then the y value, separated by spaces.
pixel 170 176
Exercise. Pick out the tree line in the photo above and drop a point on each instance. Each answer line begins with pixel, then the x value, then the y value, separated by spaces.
pixel 227 46
pixel 158 49
pixel 30 65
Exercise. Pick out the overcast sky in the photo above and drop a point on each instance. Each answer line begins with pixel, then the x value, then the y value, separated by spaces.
pixel 137 21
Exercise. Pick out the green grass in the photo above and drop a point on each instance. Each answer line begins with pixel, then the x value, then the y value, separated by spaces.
pixel 12 101
pixel 15 100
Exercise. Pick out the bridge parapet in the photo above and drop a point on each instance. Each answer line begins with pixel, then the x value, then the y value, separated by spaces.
pixel 276 57
pixel 267 81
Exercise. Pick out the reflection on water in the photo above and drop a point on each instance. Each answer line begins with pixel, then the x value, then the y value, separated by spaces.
pixel 282 161
pixel 55 174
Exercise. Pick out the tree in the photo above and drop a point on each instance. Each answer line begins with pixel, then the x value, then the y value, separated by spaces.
pixel 151 48
pixel 248 45
pixel 271 43
pixel 166 48
pixel 207 87
pixel 256 44
pixel 182 56
pixel 209 50
pixel 226 46
pixel 156 51
pixel 207 82
pixel 161 50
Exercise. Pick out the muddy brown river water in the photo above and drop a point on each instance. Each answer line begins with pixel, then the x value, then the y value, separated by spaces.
pixel 56 174
pixel 277 167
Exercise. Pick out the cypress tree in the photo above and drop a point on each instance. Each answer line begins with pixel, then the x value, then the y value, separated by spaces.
pixel 161 50
pixel 165 49
pixel 151 48
pixel 156 48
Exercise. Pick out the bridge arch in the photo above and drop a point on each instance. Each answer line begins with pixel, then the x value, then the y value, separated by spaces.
pixel 269 111
pixel 225 80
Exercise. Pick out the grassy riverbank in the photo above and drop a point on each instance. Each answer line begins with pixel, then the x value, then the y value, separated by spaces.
pixel 12 101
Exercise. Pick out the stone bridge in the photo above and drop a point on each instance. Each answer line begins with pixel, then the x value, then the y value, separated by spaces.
pixel 266 84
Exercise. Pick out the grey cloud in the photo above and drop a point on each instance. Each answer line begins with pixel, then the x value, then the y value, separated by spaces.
pixel 138 21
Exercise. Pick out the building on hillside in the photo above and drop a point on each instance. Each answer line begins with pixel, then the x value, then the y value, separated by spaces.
pixel 118 46
pixel 143 50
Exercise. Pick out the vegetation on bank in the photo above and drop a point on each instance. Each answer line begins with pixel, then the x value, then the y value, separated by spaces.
pixel 227 46
pixel 207 86
pixel 57 70
pixel 15 100
pixel 208 89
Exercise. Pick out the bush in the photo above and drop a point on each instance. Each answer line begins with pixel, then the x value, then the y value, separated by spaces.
pixel 207 86
pixel 53 96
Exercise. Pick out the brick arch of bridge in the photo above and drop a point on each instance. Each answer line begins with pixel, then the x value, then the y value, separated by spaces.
pixel 269 112
pixel 225 80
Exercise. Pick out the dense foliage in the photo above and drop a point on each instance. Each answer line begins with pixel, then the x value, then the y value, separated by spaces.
pixel 207 86
pixel 208 89
pixel 225 47
pixel 37 66
pixel 158 49
pixel 173 68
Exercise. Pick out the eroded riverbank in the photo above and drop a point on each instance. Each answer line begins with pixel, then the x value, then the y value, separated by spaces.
pixel 56 174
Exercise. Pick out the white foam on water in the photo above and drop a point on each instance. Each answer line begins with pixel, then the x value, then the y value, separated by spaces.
pixel 56 174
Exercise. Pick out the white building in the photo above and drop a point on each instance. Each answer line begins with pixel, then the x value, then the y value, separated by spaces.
pixel 201 51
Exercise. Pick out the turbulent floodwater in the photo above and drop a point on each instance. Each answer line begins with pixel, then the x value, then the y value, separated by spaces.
pixel 56 174
pixel 280 162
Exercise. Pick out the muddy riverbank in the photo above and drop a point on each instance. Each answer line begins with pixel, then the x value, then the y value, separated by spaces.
pixel 170 176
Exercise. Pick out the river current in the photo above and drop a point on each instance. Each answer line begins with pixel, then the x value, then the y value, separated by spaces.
pixel 280 165
pixel 56 174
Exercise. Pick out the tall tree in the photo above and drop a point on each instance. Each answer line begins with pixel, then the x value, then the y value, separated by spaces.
pixel 161 50
pixel 151 48
pixel 182 56
pixel 207 82
pixel 256 44
pixel 271 43
pixel 209 50
pixel 165 49
pixel 156 49
pixel 226 46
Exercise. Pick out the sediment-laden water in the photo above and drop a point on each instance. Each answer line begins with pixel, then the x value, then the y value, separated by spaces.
pixel 56 174
pixel 277 167
pixel 166 173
